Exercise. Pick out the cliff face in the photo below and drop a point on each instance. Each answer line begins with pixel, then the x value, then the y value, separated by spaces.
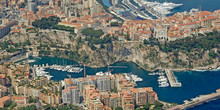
pixel 148 57
pixel 151 58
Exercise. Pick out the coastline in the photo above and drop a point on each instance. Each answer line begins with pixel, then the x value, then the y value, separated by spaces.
pixel 169 103
pixel 199 101
pixel 212 67
pixel 204 102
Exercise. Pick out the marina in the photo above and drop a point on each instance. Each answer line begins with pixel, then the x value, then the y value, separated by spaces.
pixel 142 9
pixel 40 71
pixel 135 10
pixel 68 68
pixel 193 81
pixel 132 77
pixel 157 9
pixel 162 81
pixel 129 76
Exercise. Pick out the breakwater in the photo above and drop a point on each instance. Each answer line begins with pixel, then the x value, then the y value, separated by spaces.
pixel 197 101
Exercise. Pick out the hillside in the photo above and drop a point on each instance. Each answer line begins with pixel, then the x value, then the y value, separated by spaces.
pixel 150 55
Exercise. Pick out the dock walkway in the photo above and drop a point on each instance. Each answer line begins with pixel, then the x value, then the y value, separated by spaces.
pixel 172 79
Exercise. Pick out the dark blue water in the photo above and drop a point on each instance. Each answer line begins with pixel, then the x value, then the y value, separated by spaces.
pixel 193 83
pixel 212 105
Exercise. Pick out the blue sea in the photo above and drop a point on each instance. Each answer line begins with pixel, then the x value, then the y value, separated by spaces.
pixel 194 83
pixel 212 105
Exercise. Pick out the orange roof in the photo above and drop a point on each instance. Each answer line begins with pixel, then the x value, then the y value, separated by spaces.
pixel 209 18
pixel 17 98
pixel 203 13
pixel 5 98
pixel 2 76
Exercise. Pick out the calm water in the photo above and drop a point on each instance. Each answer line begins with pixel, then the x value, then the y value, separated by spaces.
pixel 213 105
pixel 194 83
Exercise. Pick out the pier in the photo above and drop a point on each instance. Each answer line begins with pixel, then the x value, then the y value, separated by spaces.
pixel 135 11
pixel 172 79
pixel 117 66
pixel 197 101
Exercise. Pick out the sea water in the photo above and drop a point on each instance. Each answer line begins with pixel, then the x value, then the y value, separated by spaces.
pixel 194 83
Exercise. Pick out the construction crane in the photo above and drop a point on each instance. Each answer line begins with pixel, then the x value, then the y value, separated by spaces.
pixel 84 69
pixel 70 79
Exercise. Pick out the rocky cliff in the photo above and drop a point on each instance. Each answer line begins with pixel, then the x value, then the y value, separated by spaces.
pixel 148 57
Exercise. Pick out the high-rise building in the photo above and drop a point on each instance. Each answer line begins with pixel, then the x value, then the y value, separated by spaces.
pixel 152 97
pixel 88 3
pixel 88 89
pixel 112 100
pixel 71 95
pixel 141 95
pixel 91 3
pixel 103 84
pixel 6 28
pixel 31 6
pixel 127 100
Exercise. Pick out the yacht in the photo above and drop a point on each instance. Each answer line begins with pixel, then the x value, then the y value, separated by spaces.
pixel 170 5
pixel 164 84
pixel 75 70
pixel 31 61
pixel 162 79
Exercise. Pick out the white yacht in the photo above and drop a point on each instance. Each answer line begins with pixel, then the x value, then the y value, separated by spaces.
pixel 164 84
pixel 31 61
pixel 162 79
pixel 170 5
pixel 75 70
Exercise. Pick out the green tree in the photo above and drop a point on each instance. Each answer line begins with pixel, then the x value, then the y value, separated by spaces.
pixel 147 106
pixel 157 105
pixel 46 23
pixel 22 5
pixel 29 107
pixel 92 33
pixel 8 103
pixel 212 54
pixel 93 47
pixel 102 46
pixel 119 108
pixel 114 24
pixel 12 106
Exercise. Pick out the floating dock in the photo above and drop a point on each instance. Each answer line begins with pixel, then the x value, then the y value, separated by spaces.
pixel 172 79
